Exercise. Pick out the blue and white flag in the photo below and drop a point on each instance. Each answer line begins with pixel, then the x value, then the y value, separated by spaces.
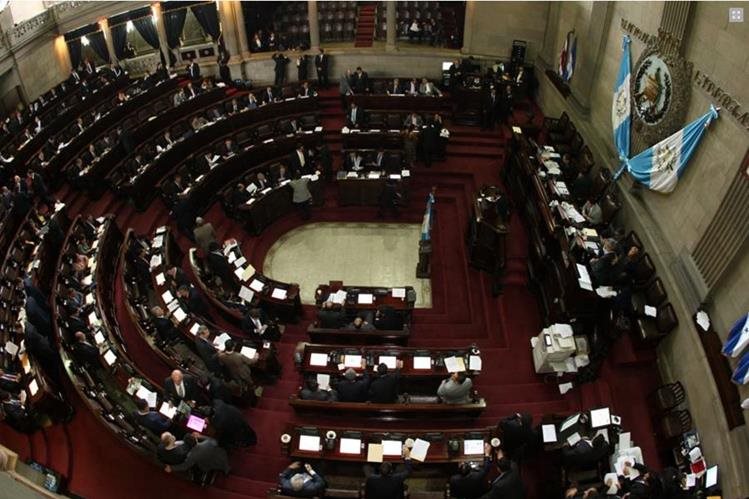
pixel 621 108
pixel 741 373
pixel 568 56
pixel 661 166
pixel 738 337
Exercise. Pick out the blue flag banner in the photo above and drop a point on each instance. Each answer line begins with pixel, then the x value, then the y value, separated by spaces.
pixel 568 57
pixel 741 373
pixel 426 223
pixel 738 337
pixel 621 108
pixel 661 166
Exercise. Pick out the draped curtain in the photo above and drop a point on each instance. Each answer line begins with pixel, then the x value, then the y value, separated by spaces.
pixel 147 30
pixel 99 45
pixel 74 49
pixel 119 39
pixel 207 16
pixel 174 22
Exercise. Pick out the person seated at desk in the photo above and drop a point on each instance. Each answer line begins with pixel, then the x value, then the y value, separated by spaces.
pixel 203 453
pixel 470 482
pixel 269 96
pixel 581 187
pixel 384 388
pixel 508 484
pixel 591 211
pixel 261 181
pixel 215 113
pixel 429 89
pixel 413 120
pixel 239 196
pixel 86 353
pixel 636 481
pixel 306 91
pixel 150 420
pixel 330 315
pixel 164 327
pixel 586 452
pixel 376 160
pixel 221 268
pixel 228 149
pixel 515 431
pixel 170 450
pixel 192 301
pixel 602 269
pixel 387 483
pixel 203 164
pixel 258 326
pixel 15 413
pixel 179 97
pixel 234 107
pixel 281 174
pixel 173 189
pixel 290 126
pixel 252 102
pixel 301 481
pixel 360 323
pixel 456 389
pixel 312 391
pixel 238 366
pixel 353 388
pixel 590 493
pixel 179 387
pixel 165 143
pixel 394 87
pixel 412 87
pixel 177 277
pixel 387 318
pixel 355 117
pixel 10 382
pixel 354 161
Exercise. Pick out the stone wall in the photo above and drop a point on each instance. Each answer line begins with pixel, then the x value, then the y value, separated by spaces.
pixel 496 24
pixel 672 224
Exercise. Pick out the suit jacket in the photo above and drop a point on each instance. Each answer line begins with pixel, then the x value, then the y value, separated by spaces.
pixel 321 62
pixel 206 455
pixel 208 353
pixel 384 389
pixel 87 354
pixel 238 366
pixel 231 428
pixel 204 236
pixel 473 484
pixel 353 391
pixel 394 88
pixel 248 326
pixel 388 318
pixel 193 71
pixel 360 82
pixel 320 395
pixel 330 319
pixel 506 486
pixel 451 392
pixel 221 267
pixel 296 163
pixel 165 329
pixel 192 391
pixel 153 422
pixel 355 121
pixel 389 486
pixel 312 487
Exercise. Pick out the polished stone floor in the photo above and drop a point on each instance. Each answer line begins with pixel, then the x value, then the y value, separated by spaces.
pixel 361 254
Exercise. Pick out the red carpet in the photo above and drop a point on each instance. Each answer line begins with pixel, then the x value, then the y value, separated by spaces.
pixel 463 312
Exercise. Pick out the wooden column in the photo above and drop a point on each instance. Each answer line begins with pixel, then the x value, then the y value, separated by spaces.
pixel 392 28
pixel 314 25
pixel 161 30
pixel 104 25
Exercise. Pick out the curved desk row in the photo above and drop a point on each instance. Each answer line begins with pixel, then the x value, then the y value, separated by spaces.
pixel 424 407
pixel 139 188
pixel 350 336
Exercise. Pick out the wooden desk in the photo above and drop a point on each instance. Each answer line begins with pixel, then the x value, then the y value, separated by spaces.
pixel 372 139
pixel 346 336
pixel 439 453
pixel 365 189
pixel 389 412
pixel 401 102
pixel 382 296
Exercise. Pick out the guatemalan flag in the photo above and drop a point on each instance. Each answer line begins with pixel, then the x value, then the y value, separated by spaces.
pixel 621 108
pixel 568 56
pixel 741 373
pixel 661 166
pixel 738 337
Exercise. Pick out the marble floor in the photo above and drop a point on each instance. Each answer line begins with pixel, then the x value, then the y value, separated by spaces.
pixel 361 254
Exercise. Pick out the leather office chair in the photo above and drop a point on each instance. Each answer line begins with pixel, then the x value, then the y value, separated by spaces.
pixel 644 271
pixel 309 121
pixel 654 295
pixel 601 182
pixel 609 208
pixel 585 161
pixel 649 329
pixel 557 125
pixel 376 120
pixel 633 239
pixel 667 397
pixel 675 423
pixel 394 121
pixel 264 132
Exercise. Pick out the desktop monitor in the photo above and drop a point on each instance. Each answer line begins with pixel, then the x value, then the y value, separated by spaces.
pixel 196 423
pixel 600 417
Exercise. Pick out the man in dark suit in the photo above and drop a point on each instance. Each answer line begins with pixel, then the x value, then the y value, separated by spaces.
pixel 178 387
pixel 301 481
pixel 351 388
pixel 508 484
pixel 231 429
pixel 221 268
pixel 193 70
pixel 298 160
pixel 384 388
pixel 206 350
pixel 192 301
pixel 150 420
pixel 321 65
pixel 489 110
pixel 165 330
pixel 395 87
pixel 312 391
pixel 388 318
pixel 280 61
pixel 516 431
pixel 360 81
pixel 585 452
pixel 469 482
pixel 330 315
pixel 387 484
pixel 355 116
pixel 84 352
pixel 268 96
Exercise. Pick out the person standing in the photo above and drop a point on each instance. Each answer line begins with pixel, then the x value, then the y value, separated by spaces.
pixel 281 61
pixel 321 65
pixel 344 87
pixel 302 197
pixel 301 67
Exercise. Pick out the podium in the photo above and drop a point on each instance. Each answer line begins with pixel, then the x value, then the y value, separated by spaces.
pixel 487 231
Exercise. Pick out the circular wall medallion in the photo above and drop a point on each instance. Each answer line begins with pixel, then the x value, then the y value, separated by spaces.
pixel 659 95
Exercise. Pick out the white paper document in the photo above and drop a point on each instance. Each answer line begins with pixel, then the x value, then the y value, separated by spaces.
pixel 167 410
pixel 569 422
pixel 625 440
pixel 365 299
pixel 220 341
pixel 650 311
pixel 392 447
pixel 167 296
pixel 422 362
pixel 350 446
pixel 473 447
pixel 248 352
pixel 309 443
pixel 455 364
pixel 194 329
pixel 323 381
pixel 474 363
pixel 257 285
pixel 399 293
pixel 279 293
pixel 352 361
pixel 389 360
pixel 160 279
pixel 246 294
pixel 419 450
pixel 573 439
pixel 11 348
pixel 549 432
pixel 33 387
pixel 565 387
pixel 147 395
pixel 318 359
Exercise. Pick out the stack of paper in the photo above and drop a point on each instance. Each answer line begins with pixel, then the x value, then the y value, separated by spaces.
pixel 584 279
pixel 365 298
pixel 167 410
pixel 257 285
pixel 279 293
pixel 419 450
pixel 474 363
pixel 455 364
pixel 246 294
pixel 339 297
pixel 374 453
pixel 399 293
pixel 220 340
pixel 248 352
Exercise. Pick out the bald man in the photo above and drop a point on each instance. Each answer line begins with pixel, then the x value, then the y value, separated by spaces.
pixel 179 387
